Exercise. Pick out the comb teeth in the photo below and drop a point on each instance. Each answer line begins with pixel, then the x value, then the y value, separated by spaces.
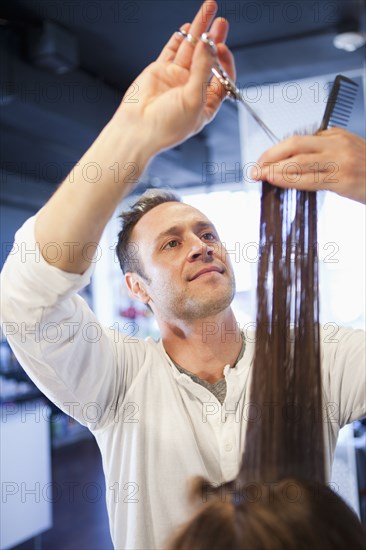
pixel 340 103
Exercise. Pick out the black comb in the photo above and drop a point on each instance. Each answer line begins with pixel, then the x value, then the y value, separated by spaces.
pixel 340 103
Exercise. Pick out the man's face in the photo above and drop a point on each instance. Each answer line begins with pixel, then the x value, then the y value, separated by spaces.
pixel 189 272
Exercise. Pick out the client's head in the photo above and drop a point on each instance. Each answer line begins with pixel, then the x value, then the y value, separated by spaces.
pixel 286 515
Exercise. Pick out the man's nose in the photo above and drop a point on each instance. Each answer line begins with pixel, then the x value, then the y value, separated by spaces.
pixel 201 251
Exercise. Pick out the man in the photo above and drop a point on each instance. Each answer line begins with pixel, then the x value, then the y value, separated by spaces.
pixel 167 411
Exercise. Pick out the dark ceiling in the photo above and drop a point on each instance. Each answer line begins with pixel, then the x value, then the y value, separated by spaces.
pixel 49 119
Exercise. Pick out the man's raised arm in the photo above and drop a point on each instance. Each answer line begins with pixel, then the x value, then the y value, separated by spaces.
pixel 165 105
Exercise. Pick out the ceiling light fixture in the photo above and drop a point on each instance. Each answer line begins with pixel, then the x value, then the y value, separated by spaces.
pixel 349 41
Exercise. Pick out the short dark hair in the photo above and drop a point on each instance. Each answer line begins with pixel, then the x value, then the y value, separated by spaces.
pixel 127 252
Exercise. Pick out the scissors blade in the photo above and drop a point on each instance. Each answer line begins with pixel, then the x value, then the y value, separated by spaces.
pixel 233 92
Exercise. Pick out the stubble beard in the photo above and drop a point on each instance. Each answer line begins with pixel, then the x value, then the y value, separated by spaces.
pixel 209 303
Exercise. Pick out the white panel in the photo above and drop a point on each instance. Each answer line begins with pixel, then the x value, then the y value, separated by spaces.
pixel 26 504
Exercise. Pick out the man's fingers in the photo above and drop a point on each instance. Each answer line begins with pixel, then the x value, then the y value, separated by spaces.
pixel 200 75
pixel 200 24
pixel 214 91
pixel 332 160
pixel 290 147
pixel 305 184
pixel 333 132
pixel 170 49
pixel 219 30
pixel 302 145
pixel 307 173
pixel 288 178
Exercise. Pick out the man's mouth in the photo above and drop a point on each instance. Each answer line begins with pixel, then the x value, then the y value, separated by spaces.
pixel 205 270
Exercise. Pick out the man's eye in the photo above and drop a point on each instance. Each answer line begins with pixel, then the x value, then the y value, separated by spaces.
pixel 209 237
pixel 171 244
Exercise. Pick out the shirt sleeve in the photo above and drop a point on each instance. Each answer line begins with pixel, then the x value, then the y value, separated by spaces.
pixel 78 364
pixel 344 373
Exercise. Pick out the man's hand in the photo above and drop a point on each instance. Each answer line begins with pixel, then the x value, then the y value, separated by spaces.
pixel 333 160
pixel 171 100
pixel 174 97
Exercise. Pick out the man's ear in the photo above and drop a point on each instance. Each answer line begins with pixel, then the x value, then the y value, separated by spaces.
pixel 136 287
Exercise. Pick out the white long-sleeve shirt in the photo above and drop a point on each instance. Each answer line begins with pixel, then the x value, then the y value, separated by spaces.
pixel 156 428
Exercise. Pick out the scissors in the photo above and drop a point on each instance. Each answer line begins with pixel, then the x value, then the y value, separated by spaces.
pixel 232 90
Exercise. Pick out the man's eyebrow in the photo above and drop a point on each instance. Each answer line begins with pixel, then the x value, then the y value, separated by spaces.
pixel 174 230
pixel 177 230
pixel 205 225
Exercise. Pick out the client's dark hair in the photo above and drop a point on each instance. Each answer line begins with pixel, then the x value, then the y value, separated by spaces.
pixel 126 250
pixel 279 500
pixel 286 515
